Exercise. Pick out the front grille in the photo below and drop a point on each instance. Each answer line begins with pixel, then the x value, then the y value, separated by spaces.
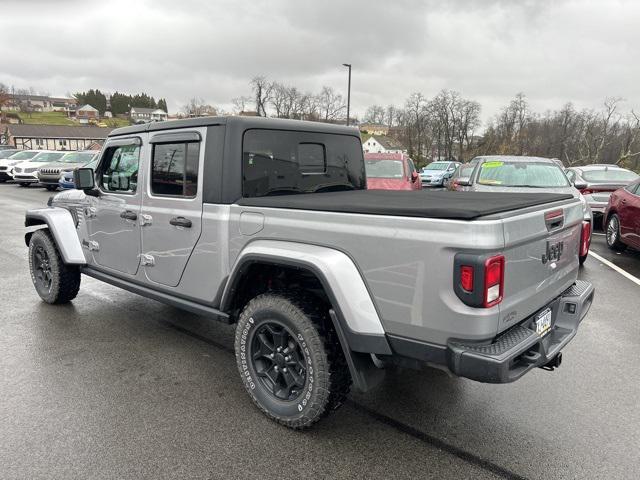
pixel 3 168
pixel 50 171
pixel 30 169
pixel 17 170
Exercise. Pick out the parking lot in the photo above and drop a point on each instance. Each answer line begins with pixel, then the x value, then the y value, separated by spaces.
pixel 118 386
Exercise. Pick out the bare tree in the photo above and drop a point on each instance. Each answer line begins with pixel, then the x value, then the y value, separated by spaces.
pixel 375 114
pixel 262 89
pixel 330 104
pixel 197 108
pixel 240 103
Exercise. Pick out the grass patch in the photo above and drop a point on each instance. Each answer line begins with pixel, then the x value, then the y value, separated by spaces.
pixel 60 118
pixel 46 118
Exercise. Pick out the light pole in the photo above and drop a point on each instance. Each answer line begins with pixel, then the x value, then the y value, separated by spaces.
pixel 348 65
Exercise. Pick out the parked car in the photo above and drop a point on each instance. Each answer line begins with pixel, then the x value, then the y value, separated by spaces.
pixel 505 173
pixel 622 218
pixel 436 174
pixel 596 182
pixel 7 147
pixel 49 175
pixel 7 152
pixel 7 164
pixel 391 171
pixel 463 172
pixel 268 224
pixel 26 173
pixel 65 181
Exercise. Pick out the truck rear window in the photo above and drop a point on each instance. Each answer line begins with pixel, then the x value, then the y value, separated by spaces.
pixel 278 162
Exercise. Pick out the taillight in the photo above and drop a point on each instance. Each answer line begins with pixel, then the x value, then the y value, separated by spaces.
pixel 585 238
pixel 493 281
pixel 466 278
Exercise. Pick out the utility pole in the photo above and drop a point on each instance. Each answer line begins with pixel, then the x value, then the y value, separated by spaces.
pixel 348 65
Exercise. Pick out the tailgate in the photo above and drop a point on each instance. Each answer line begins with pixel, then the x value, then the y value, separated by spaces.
pixel 541 252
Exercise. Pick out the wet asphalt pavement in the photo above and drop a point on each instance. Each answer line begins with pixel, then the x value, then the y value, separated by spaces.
pixel 118 386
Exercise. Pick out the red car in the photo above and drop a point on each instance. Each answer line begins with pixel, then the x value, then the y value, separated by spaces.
pixel 622 218
pixel 391 171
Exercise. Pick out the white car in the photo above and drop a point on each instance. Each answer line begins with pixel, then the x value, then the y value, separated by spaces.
pixel 26 173
pixel 6 164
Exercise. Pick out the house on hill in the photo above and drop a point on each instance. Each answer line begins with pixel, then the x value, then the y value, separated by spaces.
pixel 382 144
pixel 146 115
pixel 374 128
pixel 53 137
pixel 86 113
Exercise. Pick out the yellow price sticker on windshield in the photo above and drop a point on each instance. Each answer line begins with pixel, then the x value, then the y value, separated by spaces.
pixel 492 164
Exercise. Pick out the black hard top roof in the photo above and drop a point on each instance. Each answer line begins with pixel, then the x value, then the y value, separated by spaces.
pixel 239 122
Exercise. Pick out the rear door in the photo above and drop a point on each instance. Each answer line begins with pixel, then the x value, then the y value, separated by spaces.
pixel 112 218
pixel 171 218
pixel 629 212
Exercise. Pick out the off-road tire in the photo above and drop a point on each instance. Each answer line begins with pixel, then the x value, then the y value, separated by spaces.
pixel 64 279
pixel 327 380
pixel 613 236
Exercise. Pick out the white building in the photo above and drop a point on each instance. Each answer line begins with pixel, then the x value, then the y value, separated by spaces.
pixel 145 115
pixel 382 144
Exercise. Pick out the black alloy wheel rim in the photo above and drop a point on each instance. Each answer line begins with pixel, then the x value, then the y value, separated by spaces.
pixel 612 230
pixel 278 361
pixel 42 268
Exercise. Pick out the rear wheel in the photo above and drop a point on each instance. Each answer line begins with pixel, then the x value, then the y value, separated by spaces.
pixel 613 233
pixel 54 281
pixel 290 359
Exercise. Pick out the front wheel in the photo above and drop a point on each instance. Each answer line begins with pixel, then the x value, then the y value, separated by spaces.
pixel 290 359
pixel 613 234
pixel 51 188
pixel 24 184
pixel 54 281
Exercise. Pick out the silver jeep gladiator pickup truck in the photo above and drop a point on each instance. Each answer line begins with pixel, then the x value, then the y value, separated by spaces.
pixel 268 224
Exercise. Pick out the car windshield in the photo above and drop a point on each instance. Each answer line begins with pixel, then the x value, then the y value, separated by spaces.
pixel 23 155
pixel 607 175
pixel 522 174
pixel 47 157
pixel 383 168
pixel 77 157
pixel 7 153
pixel 436 166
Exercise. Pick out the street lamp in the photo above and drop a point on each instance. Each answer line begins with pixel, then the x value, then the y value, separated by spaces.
pixel 348 65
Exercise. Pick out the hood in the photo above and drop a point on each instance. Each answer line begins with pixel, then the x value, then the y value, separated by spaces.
pixel 7 162
pixel 61 166
pixel 388 184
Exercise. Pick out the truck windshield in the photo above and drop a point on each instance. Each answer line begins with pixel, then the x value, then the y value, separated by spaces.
pixel 436 166
pixel 384 168
pixel 278 162
pixel 607 175
pixel 522 174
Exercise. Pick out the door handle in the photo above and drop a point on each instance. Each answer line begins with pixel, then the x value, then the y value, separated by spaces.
pixel 129 215
pixel 180 222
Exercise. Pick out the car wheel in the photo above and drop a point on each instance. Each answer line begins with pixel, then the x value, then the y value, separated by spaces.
pixel 613 234
pixel 290 359
pixel 24 184
pixel 54 281
pixel 51 188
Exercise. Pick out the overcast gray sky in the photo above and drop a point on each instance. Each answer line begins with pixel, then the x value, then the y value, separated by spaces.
pixel 554 51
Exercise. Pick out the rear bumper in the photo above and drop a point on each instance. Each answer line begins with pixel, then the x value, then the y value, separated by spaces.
pixel 519 349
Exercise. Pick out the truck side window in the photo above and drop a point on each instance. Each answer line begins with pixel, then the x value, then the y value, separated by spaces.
pixel 174 169
pixel 278 162
pixel 120 169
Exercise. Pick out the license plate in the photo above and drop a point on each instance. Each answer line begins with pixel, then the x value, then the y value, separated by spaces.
pixel 543 322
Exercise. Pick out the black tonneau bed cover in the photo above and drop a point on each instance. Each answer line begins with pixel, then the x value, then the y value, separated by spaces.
pixel 419 203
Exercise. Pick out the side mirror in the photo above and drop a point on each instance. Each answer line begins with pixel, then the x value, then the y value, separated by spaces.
pixel 463 182
pixel 414 176
pixel 580 185
pixel 84 179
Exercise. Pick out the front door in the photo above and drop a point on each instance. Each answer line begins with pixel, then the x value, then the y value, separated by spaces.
pixel 630 215
pixel 112 218
pixel 172 204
